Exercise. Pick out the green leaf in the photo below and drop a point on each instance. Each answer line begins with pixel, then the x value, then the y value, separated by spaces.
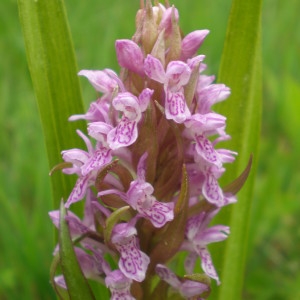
pixel 78 287
pixel 112 220
pixel 234 187
pixel 53 268
pixel 53 70
pixel 240 70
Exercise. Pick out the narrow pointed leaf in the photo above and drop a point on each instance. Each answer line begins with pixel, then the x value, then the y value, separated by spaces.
pixel 161 291
pixel 53 71
pixel 53 268
pixel 78 287
pixel 203 278
pixel 59 167
pixel 240 70
pixel 112 220
pixel 104 171
pixel 235 186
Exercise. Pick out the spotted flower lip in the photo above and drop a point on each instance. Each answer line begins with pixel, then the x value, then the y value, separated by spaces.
pixel 133 263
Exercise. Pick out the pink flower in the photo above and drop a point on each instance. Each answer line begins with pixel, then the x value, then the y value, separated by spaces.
pixel 140 197
pixel 85 165
pixel 174 78
pixel 198 237
pixel 132 107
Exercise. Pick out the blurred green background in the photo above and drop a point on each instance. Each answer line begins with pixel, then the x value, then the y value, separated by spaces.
pixel 26 233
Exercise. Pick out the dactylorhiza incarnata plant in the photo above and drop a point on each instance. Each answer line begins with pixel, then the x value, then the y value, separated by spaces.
pixel 149 175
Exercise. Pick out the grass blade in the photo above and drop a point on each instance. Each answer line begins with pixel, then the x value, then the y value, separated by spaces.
pixel 241 71
pixel 78 287
pixel 53 71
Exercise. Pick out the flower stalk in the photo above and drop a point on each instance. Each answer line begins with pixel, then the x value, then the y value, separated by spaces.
pixel 149 176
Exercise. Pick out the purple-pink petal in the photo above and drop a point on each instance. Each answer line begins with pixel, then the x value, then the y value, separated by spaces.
pixel 210 95
pixel 195 61
pixel 175 106
pixel 141 169
pixel 78 191
pixel 99 130
pixel 77 157
pixel 154 69
pixel 204 81
pixel 123 135
pixel 205 149
pixel 212 191
pixel 190 289
pixel 166 21
pixel 207 265
pixel 139 196
pixel 200 123
pixel 133 262
pixel 186 288
pixel 214 234
pixel 119 285
pixel 99 158
pixel 178 74
pixel 158 213
pixel 99 80
pixel 144 98
pixel 129 105
pixel 194 225
pixel 226 156
pixel 130 56
pixel 192 42
pixel 96 112
pixel 167 275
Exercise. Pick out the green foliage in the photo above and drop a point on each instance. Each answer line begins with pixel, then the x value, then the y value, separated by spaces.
pixel 53 69
pixel 240 70
pixel 77 285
